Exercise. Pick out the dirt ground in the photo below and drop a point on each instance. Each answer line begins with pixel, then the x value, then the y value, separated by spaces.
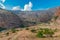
pixel 28 35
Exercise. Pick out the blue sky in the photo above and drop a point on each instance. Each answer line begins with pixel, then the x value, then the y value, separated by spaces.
pixel 35 4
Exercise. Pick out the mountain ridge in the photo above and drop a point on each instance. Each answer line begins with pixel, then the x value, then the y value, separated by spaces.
pixel 26 18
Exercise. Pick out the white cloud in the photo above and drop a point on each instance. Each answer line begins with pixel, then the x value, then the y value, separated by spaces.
pixel 28 7
pixel 16 8
pixel 1 4
pixel 2 1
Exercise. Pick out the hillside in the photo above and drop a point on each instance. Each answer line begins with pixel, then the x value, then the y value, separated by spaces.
pixel 36 16
pixel 32 22
pixel 17 18
pixel 8 19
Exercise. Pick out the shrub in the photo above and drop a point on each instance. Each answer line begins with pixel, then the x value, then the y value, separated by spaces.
pixel 27 28
pixel 40 34
pixel 49 32
pixel 22 25
pixel 13 30
pixel 45 32
pixel 7 33
pixel 33 30
pixel 55 30
pixel 41 28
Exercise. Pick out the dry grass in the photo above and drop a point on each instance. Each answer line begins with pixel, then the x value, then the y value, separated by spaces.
pixel 24 34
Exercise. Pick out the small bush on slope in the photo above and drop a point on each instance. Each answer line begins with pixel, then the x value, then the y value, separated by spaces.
pixel 33 30
pixel 48 32
pixel 45 32
pixel 40 34
pixel 27 28
pixel 13 30
pixel 7 33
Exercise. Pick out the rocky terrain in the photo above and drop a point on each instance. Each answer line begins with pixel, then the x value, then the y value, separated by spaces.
pixel 17 18
pixel 8 19
pixel 31 22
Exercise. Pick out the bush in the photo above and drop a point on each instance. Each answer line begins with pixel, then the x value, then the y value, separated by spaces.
pixel 33 30
pixel 7 33
pixel 13 30
pixel 22 26
pixel 40 34
pixel 45 32
pixel 49 32
pixel 27 28
pixel 55 30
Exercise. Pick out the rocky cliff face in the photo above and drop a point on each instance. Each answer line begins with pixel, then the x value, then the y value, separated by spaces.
pixel 8 19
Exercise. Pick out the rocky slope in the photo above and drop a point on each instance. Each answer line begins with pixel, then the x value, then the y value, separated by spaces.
pixel 36 16
pixel 8 19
